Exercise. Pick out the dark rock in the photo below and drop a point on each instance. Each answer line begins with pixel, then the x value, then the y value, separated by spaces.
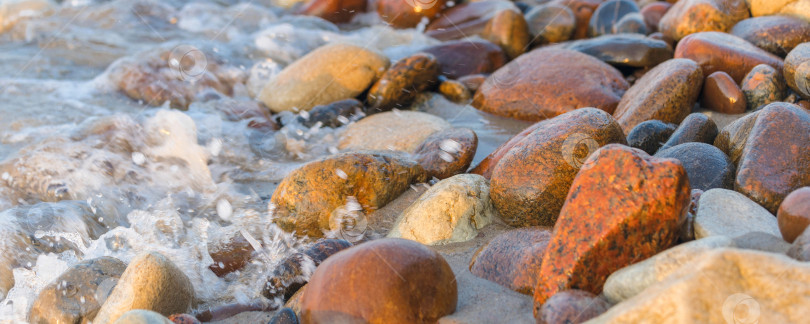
pixel 624 50
pixel 333 115
pixel 447 152
pixel 284 316
pixel 608 14
pixel 696 127
pixel 293 272
pixel 650 135
pixel 732 138
pixel 631 24
pixel 706 166
pixel 230 255
pixel 460 58
pixel 762 86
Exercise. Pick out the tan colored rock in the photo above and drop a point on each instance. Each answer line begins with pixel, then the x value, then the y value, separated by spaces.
pixel 150 282
pixel 800 8
pixel 328 74
pixel 393 130
pixel 453 210
pixel 140 316
pixel 721 286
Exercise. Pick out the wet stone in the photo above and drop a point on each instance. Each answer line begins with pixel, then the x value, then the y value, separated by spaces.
pixel 693 16
pixel 706 166
pixel 794 214
pixel 775 34
pixel 650 135
pixel 653 12
pixel 336 114
pixel 513 259
pixel 294 271
pixel 78 293
pixel 628 50
pixel 631 24
pixel 762 86
pixel 404 80
pixel 716 51
pixel 722 94
pixel 623 207
pixel 508 29
pixel 732 138
pixel 230 254
pixel 314 198
pixel 466 19
pixel 531 179
pixel 775 160
pixel 404 14
pixel 413 284
pixel 454 91
pixel 551 23
pixel 797 70
pixel 608 14
pixel 696 127
pixel 284 316
pixel 541 84
pixel 473 81
pixel 336 11
pixel 571 306
pixel 666 93
pixel 460 58
pixel 583 11
pixel 447 152
pixel 391 130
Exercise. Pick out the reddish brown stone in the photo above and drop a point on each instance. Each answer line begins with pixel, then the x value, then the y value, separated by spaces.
pixel 508 29
pixel 694 16
pixel 336 11
pixel 183 319
pixel 623 207
pixel 513 259
pixel 447 152
pixel 408 14
pixel 666 93
pixel 530 182
pixel 460 58
pixel 763 85
pixel 722 94
pixel 583 10
pixel 804 104
pixel 797 70
pixel 454 91
pixel 547 82
pixel 382 281
pixel 775 34
pixel 230 255
pixel 466 19
pixel 716 51
pixel 775 160
pixel 308 198
pixel 570 307
pixel 399 86
pixel 473 81
pixel 794 214
pixel 653 12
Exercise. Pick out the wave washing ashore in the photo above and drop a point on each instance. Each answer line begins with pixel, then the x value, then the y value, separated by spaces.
pixel 404 161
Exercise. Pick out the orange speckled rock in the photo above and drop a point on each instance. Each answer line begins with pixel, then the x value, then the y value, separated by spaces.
pixel 548 82
pixel 447 152
pixel 666 93
pixel 529 184
pixel 776 158
pixel 307 199
pixel 716 51
pixel 693 16
pixel 624 206
pixel 382 281
pixel 513 259
pixel 404 14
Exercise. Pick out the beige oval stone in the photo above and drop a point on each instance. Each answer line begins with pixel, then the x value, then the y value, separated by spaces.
pixel 453 210
pixel 327 74
pixel 392 130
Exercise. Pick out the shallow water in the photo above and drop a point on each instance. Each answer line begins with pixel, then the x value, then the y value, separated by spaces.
pixel 85 171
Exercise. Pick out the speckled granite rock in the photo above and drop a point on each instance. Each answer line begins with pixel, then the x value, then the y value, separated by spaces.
pixel 641 204
pixel 399 85
pixel 762 86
